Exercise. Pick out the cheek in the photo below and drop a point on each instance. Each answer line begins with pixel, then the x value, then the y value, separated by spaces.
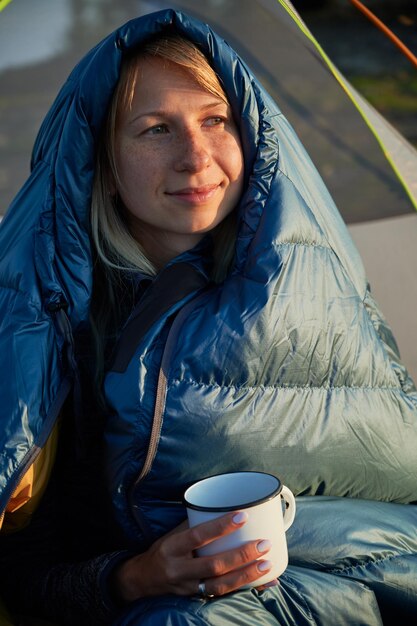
pixel 133 168
pixel 234 165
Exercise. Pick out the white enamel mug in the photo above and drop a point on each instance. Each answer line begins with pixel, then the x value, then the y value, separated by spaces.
pixel 269 504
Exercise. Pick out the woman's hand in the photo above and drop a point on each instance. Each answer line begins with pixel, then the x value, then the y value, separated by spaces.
pixel 169 565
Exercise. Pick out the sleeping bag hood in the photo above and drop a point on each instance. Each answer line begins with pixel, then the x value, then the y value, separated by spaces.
pixel 286 367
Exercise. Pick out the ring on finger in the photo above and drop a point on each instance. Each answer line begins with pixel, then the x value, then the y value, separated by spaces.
pixel 202 591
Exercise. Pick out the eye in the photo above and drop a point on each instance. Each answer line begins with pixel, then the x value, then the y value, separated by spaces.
pixel 158 129
pixel 215 120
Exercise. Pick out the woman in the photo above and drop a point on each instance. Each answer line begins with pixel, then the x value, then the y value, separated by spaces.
pixel 231 328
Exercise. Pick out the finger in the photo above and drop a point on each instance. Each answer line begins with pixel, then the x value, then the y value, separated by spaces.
pixel 228 561
pixel 205 533
pixel 232 581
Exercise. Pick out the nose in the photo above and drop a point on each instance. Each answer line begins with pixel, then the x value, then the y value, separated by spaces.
pixel 193 154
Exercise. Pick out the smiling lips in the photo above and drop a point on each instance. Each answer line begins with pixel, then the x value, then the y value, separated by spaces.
pixel 195 195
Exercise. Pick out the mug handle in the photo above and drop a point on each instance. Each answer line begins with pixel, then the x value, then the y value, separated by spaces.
pixel 289 512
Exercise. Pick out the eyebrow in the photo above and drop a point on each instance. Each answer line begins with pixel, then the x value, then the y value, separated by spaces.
pixel 162 113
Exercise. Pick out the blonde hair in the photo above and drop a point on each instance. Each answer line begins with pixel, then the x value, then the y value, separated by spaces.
pixel 117 251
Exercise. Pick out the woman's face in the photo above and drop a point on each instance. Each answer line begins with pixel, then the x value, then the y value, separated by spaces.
pixel 178 158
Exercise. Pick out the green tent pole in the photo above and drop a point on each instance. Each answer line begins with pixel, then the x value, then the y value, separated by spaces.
pixel 354 96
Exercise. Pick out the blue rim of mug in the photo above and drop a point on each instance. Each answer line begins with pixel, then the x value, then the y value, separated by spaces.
pixel 235 507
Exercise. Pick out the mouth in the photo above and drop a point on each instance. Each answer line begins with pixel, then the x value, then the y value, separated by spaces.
pixel 195 194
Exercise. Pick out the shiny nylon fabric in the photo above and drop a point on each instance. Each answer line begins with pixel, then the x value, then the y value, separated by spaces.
pixel 287 367
pixel 302 598
pixel 45 254
pixel 350 564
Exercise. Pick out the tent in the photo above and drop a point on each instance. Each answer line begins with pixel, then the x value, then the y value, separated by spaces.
pixel 368 167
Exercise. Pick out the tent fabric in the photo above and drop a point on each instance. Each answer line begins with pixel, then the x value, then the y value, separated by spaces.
pixel 401 155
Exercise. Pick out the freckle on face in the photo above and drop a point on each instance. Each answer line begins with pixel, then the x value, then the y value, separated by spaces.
pixel 179 159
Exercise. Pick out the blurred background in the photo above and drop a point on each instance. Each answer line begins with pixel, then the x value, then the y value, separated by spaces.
pixel 41 41
pixel 367 57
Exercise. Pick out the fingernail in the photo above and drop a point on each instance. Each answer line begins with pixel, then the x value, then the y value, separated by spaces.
pixel 240 517
pixel 264 565
pixel 264 546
